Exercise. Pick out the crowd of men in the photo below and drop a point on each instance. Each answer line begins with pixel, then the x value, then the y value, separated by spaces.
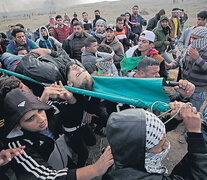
pixel 43 127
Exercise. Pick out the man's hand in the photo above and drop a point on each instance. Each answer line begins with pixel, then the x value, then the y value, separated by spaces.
pixel 7 155
pixel 191 118
pixel 167 43
pixel 104 162
pixel 55 92
pixel 175 106
pixel 185 88
pixel 41 52
pixel 137 24
pixel 88 118
pixel 167 65
pixel 193 53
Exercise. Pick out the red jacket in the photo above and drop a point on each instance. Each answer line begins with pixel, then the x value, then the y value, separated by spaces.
pixel 61 33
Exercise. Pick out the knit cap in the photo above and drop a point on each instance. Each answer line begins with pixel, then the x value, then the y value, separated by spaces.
pixel 164 18
pixel 101 22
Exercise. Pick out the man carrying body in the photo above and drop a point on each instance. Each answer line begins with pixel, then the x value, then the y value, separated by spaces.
pixel 19 39
pixel 27 116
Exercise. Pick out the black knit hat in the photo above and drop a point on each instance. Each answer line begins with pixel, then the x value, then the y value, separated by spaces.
pixel 16 104
pixel 164 18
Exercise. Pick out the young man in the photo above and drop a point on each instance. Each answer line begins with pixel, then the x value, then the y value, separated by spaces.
pixel 99 33
pixel 184 40
pixel 19 39
pixel 121 33
pixel 152 23
pixel 183 19
pixel 162 37
pixel 47 41
pixel 137 22
pixel 75 42
pixel 193 64
pixel 115 44
pixel 139 144
pixel 144 48
pixel 97 17
pixel 87 25
pixel 61 31
pixel 88 54
pixel 42 158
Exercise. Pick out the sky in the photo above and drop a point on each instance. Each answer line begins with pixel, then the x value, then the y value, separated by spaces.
pixel 20 5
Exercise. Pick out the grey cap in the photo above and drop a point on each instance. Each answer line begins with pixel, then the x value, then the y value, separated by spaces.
pixel 101 22
pixel 111 26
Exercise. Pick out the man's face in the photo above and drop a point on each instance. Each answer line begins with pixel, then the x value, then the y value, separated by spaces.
pixel 194 37
pixel 161 146
pixel 143 45
pixel 59 21
pixel 24 87
pixel 152 72
pixel 43 32
pixel 175 14
pixel 201 21
pixel 85 16
pixel 100 29
pixel 78 30
pixel 20 38
pixel 92 48
pixel 127 17
pixel 34 121
pixel 120 24
pixel 51 30
pixel 164 23
pixel 77 74
pixel 97 13
pixel 135 10
pixel 109 35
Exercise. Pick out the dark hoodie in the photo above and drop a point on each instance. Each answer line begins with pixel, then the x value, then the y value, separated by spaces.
pixel 126 133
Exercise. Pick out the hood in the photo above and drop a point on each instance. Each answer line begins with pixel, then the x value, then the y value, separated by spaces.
pixel 41 37
pixel 159 27
pixel 122 125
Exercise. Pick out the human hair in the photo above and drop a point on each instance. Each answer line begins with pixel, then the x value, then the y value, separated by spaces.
pixel 7 84
pixel 20 25
pixel 84 13
pixel 145 62
pixel 89 40
pixel 19 48
pixel 78 23
pixel 97 10
pixel 135 6
pixel 15 31
pixel 57 17
pixel 202 14
pixel 87 83
pixel 104 48
pixel 119 19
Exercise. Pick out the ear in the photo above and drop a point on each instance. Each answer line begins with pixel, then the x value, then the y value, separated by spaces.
pixel 69 83
pixel 141 74
pixel 152 45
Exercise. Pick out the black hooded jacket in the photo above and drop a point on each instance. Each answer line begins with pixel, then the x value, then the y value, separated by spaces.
pixel 126 133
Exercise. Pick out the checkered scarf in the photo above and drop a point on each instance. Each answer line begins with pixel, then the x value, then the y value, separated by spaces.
pixel 155 131
pixel 200 44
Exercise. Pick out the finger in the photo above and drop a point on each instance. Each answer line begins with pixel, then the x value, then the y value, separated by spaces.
pixel 61 84
pixel 7 155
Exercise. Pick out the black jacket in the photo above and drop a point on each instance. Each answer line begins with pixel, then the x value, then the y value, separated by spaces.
pixel 68 44
pixel 48 69
pixel 34 163
pixel 152 23
pixel 126 133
